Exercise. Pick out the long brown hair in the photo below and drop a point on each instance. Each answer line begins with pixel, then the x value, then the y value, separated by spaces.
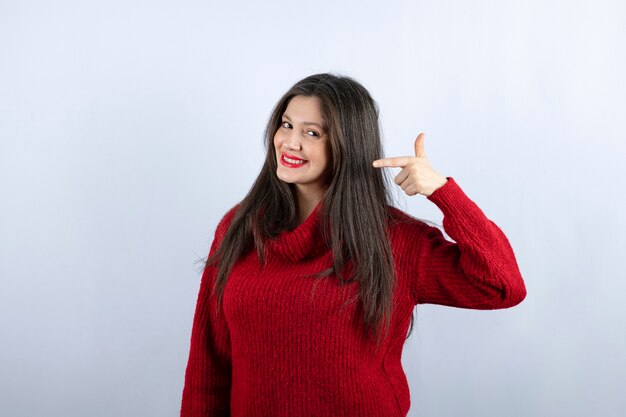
pixel 354 215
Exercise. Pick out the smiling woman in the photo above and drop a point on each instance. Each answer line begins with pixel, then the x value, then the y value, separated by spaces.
pixel 323 272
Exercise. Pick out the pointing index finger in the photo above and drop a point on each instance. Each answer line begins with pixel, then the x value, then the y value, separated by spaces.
pixel 398 161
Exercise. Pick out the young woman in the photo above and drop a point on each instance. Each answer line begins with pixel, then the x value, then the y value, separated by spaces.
pixel 311 280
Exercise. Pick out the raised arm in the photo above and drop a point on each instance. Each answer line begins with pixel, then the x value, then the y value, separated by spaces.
pixel 479 271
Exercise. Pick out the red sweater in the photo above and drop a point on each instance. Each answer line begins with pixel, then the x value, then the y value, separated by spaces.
pixel 287 347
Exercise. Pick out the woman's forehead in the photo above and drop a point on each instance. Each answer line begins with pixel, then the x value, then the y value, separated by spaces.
pixel 305 110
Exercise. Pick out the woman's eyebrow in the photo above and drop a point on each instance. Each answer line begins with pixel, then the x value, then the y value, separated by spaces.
pixel 304 123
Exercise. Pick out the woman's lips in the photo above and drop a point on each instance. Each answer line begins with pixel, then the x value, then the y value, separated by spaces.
pixel 291 165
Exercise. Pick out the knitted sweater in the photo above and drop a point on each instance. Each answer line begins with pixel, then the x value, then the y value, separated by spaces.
pixel 288 345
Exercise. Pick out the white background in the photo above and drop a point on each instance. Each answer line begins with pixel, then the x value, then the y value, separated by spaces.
pixel 128 128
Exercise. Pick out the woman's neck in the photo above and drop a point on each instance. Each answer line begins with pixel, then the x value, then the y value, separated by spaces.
pixel 306 201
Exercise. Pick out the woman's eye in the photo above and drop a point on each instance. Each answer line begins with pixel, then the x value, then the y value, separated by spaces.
pixel 311 133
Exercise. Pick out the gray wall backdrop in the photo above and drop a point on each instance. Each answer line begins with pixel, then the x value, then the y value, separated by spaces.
pixel 128 128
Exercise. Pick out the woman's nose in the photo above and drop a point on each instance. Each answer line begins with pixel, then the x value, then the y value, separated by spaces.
pixel 292 141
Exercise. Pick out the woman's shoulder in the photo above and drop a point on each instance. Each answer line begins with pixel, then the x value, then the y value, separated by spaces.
pixel 400 220
pixel 231 212
pixel 227 219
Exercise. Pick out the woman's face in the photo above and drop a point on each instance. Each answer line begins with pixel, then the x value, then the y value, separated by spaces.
pixel 302 139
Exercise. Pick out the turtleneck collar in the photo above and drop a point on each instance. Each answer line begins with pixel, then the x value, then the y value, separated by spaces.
pixel 294 245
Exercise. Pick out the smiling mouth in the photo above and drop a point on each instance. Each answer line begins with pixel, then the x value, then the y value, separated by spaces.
pixel 292 162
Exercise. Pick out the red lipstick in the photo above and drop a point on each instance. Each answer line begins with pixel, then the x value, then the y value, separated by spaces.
pixel 289 164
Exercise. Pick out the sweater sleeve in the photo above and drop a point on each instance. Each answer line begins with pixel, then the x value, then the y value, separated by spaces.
pixel 477 271
pixel 208 374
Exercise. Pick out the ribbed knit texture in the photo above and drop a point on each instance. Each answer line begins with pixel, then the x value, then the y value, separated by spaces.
pixel 290 345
